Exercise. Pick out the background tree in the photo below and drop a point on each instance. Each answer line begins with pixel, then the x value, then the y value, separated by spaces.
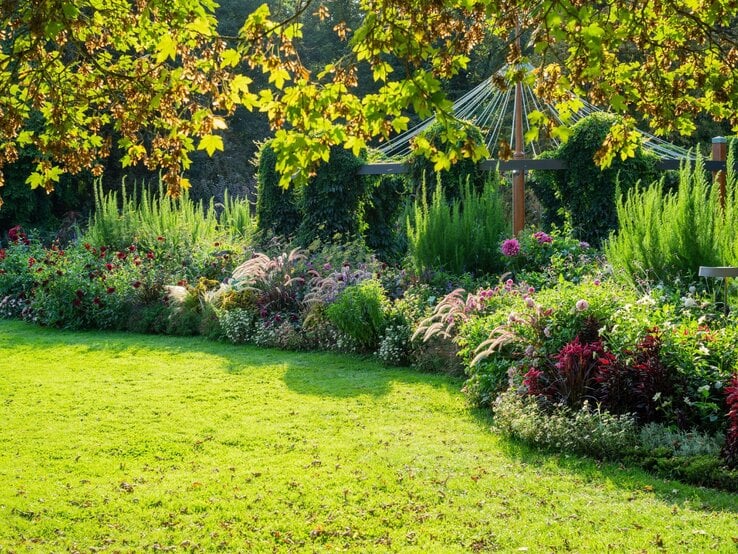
pixel 156 79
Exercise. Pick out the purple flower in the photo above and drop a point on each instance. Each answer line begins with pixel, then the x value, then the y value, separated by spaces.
pixel 583 245
pixel 582 305
pixel 510 247
pixel 542 237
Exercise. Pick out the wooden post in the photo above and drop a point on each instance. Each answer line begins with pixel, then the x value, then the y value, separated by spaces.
pixel 518 190
pixel 720 154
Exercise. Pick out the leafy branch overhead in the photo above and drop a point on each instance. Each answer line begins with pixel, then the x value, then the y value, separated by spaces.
pixel 154 78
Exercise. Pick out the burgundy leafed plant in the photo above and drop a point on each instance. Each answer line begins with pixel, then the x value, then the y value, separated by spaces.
pixel 578 366
pixel 640 384
pixel 730 450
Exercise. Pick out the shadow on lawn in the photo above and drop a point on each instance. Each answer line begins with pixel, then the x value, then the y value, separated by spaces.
pixel 630 478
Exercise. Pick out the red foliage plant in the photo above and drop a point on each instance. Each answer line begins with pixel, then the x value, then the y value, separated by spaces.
pixel 730 449
pixel 641 384
pixel 572 379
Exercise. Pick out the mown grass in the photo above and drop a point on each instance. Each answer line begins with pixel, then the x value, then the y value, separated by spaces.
pixel 120 443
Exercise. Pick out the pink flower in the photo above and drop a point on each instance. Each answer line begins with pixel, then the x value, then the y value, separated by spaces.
pixel 582 305
pixel 510 247
pixel 596 282
pixel 542 237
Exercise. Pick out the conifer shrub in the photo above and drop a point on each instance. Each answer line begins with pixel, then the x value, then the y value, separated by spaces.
pixel 384 203
pixel 459 236
pixel 666 235
pixel 277 209
pixel 331 203
pixel 583 192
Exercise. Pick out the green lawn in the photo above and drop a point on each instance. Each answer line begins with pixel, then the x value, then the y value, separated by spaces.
pixel 119 443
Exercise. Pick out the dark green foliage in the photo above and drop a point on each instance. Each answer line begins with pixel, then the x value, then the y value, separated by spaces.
pixel 461 237
pixel 359 311
pixel 276 208
pixel 331 202
pixel 383 206
pixel 664 236
pixel 584 192
pixel 35 209
pixel 544 185
pixel 452 180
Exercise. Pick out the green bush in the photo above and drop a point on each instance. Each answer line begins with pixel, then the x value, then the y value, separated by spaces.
pixel 35 208
pixel 236 220
pixel 383 206
pixel 87 288
pixel 459 237
pixel 332 201
pixel 452 180
pixel 277 209
pixel 359 312
pixel 584 192
pixel 663 236
pixel 186 237
pixel 585 431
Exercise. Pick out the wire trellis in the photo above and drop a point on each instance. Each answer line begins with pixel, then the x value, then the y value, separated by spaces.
pixel 492 110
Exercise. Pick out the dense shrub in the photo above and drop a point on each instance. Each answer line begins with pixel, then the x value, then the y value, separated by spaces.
pixel 37 209
pixel 663 236
pixel 277 209
pixel 359 312
pixel 86 287
pixel 584 192
pixel 331 203
pixel 463 172
pixel 383 232
pixel 584 430
pixel 187 238
pixel 459 237
pixel 730 450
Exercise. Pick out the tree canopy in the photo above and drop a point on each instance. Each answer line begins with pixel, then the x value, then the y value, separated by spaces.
pixel 156 80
